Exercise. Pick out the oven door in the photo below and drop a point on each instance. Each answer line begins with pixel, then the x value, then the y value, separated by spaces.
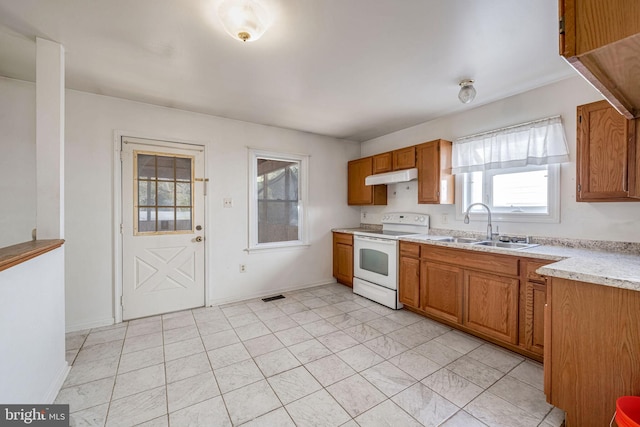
pixel 375 260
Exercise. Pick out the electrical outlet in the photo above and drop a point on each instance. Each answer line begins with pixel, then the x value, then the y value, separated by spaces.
pixel 243 268
pixel 227 202
pixel 445 218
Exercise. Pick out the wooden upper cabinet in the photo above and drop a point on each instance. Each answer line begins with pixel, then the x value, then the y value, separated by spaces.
pixel 383 162
pixel 606 161
pixel 358 192
pixel 601 40
pixel 404 158
pixel 435 181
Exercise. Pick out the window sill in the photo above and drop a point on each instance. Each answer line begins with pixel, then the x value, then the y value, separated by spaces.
pixel 277 248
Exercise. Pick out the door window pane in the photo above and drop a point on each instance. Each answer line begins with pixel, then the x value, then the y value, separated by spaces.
pixel 164 193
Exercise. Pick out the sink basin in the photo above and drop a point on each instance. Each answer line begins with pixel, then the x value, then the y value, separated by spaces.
pixel 506 245
pixel 458 240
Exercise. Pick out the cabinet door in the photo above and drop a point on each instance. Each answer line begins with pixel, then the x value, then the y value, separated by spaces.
pixel 358 192
pixel 535 299
pixel 343 258
pixel 382 163
pixel 491 305
pixel 435 181
pixel 441 291
pixel 404 158
pixel 409 287
pixel 606 149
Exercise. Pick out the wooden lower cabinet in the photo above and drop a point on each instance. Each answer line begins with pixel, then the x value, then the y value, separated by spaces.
pixel 592 351
pixel 491 305
pixel 343 258
pixel 497 297
pixel 409 292
pixel 441 291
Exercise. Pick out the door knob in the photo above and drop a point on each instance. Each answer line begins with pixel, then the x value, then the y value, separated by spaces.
pixel 199 239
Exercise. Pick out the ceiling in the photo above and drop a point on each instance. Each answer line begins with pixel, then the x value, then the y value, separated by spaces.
pixel 353 69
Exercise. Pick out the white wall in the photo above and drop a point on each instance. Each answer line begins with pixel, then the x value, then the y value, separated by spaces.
pixel 17 161
pixel 32 360
pixel 90 124
pixel 598 221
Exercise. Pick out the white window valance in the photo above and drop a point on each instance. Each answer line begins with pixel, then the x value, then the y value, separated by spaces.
pixel 540 142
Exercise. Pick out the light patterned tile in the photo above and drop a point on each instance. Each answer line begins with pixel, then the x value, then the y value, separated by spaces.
pixel 463 419
pixel 329 370
pixel 91 417
pixel 262 345
pixel 243 319
pixel 138 408
pixel 314 302
pixel 317 409
pixel 99 351
pixel 529 372
pixel 386 347
pixel 186 319
pixel 211 413
pixel 319 328
pixel 74 340
pixel 497 358
pixel 348 306
pixel 250 402
pixel 494 411
pixel 452 387
pixel 360 357
pixel 86 395
pixel 555 418
pixel 404 317
pixel 146 328
pixel 269 313
pixel 293 384
pixel 142 342
pixel 189 391
pixel 280 323
pixel 308 351
pixel 476 372
pixel 252 330
pixel 524 396
pixel 293 336
pixel 84 372
pixel 162 421
pixel 363 332
pixel 429 328
pixel 459 341
pixel 386 414
pixel 238 375
pixel 305 317
pixel 220 339
pixel 275 362
pixel 388 379
pixel 182 349
pixel 101 337
pixel 277 418
pixel 138 381
pixel 140 359
pixel 337 341
pixel 415 364
pixel 410 338
pixel 356 395
pixel 293 307
pixel 228 355
pixel 343 321
pixel 181 334
pixel 185 367
pixel 384 325
pixel 236 309
pixel 441 354
pixel 213 327
pixel 364 315
pixel 327 311
pixel 425 405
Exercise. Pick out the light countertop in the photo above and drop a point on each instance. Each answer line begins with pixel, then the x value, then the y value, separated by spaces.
pixel 618 270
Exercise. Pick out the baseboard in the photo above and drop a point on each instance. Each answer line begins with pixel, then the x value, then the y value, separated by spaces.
pixel 220 301
pixel 88 325
pixel 57 383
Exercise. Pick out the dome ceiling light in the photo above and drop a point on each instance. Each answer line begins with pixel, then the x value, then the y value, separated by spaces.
pixel 245 20
pixel 467 91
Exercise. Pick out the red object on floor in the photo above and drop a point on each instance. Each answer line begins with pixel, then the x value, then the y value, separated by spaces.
pixel 628 411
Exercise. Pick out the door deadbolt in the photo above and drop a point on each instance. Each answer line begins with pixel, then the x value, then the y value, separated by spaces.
pixel 198 227
pixel 199 239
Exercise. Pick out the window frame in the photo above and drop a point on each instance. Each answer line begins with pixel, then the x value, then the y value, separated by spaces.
pixel 303 192
pixel 553 197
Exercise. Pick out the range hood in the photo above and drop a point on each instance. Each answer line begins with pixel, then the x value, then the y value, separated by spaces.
pixel 392 177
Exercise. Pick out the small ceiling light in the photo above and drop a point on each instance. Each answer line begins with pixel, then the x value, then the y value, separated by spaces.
pixel 246 20
pixel 467 91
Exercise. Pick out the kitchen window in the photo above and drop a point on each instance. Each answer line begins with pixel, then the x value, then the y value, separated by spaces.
pixel 278 194
pixel 513 170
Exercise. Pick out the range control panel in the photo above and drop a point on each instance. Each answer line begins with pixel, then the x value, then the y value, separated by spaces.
pixel 405 218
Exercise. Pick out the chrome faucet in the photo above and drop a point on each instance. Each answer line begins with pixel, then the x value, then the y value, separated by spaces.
pixel 489 229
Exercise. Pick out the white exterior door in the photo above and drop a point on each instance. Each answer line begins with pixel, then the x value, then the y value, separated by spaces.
pixel 162 227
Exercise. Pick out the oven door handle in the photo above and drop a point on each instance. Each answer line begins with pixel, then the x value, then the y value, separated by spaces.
pixel 375 239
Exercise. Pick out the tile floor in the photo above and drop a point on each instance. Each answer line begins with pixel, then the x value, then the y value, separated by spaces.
pixel 320 357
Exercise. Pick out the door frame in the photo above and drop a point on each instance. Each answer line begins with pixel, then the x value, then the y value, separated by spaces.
pixel 118 279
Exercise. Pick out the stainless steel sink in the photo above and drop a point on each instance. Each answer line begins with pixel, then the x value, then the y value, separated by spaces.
pixel 458 240
pixel 506 245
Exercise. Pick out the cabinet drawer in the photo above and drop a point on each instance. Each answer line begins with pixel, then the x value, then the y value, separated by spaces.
pixel 491 262
pixel 530 270
pixel 410 249
pixel 344 238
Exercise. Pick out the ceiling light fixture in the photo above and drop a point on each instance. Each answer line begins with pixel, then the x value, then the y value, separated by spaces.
pixel 245 20
pixel 467 91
